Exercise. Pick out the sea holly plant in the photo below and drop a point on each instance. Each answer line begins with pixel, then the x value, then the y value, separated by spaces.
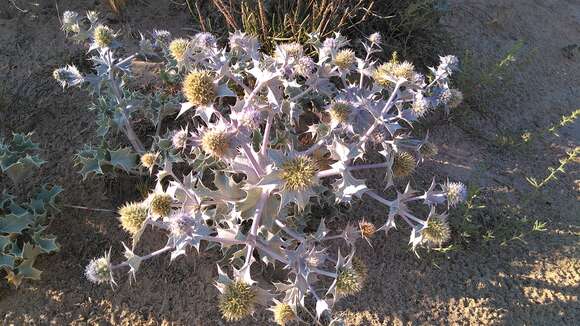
pixel 23 225
pixel 259 141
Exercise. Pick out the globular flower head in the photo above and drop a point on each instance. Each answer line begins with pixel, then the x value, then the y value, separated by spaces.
pixel 292 50
pixel 437 230
pixel 448 64
pixel 452 98
pixel 350 280
pixel 283 313
pixel 178 49
pixel 69 19
pixel 146 46
pixel 199 87
pixel 367 229
pixel 249 117
pixel 403 164
pixel 216 142
pixel 148 160
pixel 456 193
pixel 99 270
pixel 204 40
pixel 161 37
pixel 160 204
pixel 132 217
pixel 393 71
pixel 344 59
pixel 298 173
pixel 339 112
pixel 180 224
pixel 68 76
pixel 179 139
pixel 428 149
pixel 305 66
pixel 103 36
pixel 238 40
pixel 238 300
pixel 420 105
pixel 92 16
pixel 376 38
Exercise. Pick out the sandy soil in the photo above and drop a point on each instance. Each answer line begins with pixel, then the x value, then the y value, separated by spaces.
pixel 532 279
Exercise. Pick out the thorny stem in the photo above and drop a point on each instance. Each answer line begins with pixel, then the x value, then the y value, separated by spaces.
pixel 314 147
pixel 368 166
pixel 167 248
pixel 266 140
pixel 250 155
pixel 184 188
pixel 256 224
pixel 332 172
pixel 299 95
pixel 360 72
pixel 270 252
pixel 332 237
pixel 327 173
pixel 385 109
pixel 133 139
pixel 323 272
pixel 254 93
pixel 89 208
pixel 148 256
pixel 290 232
pixel 378 198
pixel 229 74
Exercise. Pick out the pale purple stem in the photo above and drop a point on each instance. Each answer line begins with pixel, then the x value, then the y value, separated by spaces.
pixel 266 139
pixel 271 253
pixel 250 155
pixel 332 172
pixel 256 224
pixel 323 272
pixel 148 256
pixel 133 139
pixel 385 109
pixel 332 237
pixel 327 173
pixel 299 95
pixel 312 148
pixel 229 74
pixel 167 248
pixel 290 232
pixel 253 94
pixel 360 72
pixel 378 198
pixel 368 166
pixel 414 218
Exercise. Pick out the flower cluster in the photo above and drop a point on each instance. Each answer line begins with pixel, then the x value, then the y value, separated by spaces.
pixel 262 136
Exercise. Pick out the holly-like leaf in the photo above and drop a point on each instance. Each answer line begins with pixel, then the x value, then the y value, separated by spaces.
pixel 4 242
pixel 7 261
pixel 47 245
pixel 23 168
pixel 124 159
pixel 12 223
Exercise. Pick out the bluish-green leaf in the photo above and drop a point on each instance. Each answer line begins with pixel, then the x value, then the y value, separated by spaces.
pixel 124 158
pixel 13 223
pixel 4 242
pixel 6 261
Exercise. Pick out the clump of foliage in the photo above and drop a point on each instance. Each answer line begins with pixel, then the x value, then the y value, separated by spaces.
pixel 409 27
pixel 23 225
pixel 259 141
